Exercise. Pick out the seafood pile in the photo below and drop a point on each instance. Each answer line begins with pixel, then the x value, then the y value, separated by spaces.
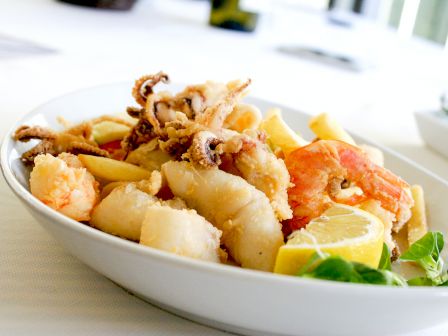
pixel 195 173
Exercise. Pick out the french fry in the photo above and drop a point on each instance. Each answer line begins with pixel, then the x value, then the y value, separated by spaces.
pixel 417 225
pixel 113 170
pixel 107 131
pixel 326 128
pixel 279 133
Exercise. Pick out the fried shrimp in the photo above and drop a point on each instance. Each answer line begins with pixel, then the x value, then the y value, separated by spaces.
pixel 65 185
pixel 321 169
pixel 251 232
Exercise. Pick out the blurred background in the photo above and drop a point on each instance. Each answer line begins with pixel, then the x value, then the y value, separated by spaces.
pixel 371 63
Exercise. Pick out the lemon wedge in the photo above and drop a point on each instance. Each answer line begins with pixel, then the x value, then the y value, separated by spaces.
pixel 279 133
pixel 342 230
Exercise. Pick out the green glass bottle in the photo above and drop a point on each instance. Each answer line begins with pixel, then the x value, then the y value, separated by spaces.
pixel 227 14
pixel 103 4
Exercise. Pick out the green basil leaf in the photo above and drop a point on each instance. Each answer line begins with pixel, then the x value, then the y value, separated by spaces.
pixel 338 269
pixel 421 281
pixel 313 262
pixel 334 268
pixel 444 283
pixel 430 245
pixel 443 280
pixel 379 277
pixel 426 253
pixel 385 263
pixel 425 281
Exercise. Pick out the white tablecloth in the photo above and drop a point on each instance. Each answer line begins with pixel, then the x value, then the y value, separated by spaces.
pixel 43 290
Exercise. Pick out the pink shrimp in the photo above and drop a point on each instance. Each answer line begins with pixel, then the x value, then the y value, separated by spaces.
pixel 320 169
pixel 65 185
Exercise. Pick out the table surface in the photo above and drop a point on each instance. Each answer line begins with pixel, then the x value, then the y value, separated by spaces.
pixel 44 290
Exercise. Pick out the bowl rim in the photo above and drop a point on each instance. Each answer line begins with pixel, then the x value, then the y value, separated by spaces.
pixel 185 262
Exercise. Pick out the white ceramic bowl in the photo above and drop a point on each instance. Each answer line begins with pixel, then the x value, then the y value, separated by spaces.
pixel 433 127
pixel 230 298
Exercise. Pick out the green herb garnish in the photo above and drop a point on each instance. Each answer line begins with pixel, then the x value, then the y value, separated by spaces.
pixel 385 261
pixel 338 269
pixel 426 253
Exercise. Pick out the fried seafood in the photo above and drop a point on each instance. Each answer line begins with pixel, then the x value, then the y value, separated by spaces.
pixel 243 117
pixel 265 171
pixel 198 170
pixel 197 132
pixel 192 101
pixel 182 232
pixel 74 140
pixel 132 211
pixel 251 231
pixel 203 149
pixel 123 209
pixel 65 185
pixel 387 218
pixel 195 99
pixel 321 170
pixel 122 212
pixel 215 115
pixel 143 86
pixel 26 133
pixel 149 156
pixel 205 106
pixel 208 104
pixel 141 133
